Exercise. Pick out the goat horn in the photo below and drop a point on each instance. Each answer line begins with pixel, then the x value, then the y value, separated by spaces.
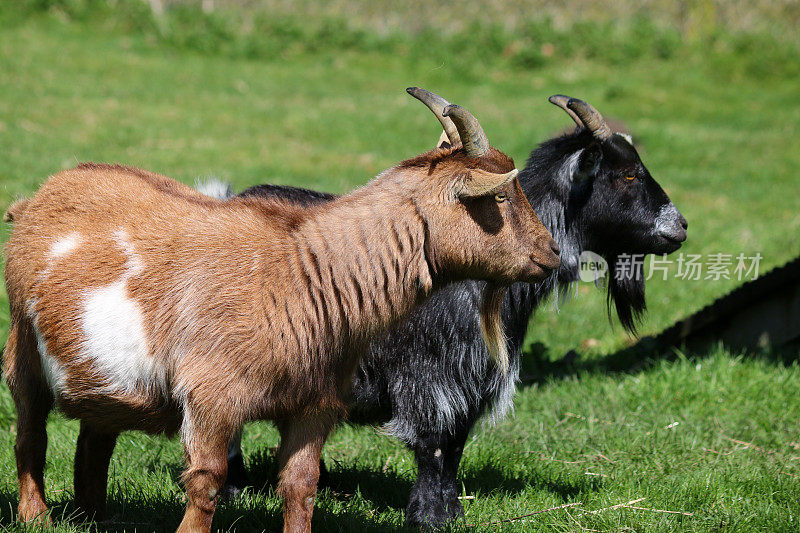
pixel 437 104
pixel 561 101
pixel 473 139
pixel 591 118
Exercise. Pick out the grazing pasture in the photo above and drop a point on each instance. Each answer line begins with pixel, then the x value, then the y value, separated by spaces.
pixel 604 440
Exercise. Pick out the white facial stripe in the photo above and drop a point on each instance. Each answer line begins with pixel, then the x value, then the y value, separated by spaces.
pixel 116 341
pixel 64 245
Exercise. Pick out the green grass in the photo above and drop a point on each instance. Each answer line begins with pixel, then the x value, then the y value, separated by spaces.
pixel 718 130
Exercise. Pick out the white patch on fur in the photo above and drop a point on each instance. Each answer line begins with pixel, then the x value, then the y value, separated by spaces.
pixel 666 219
pixel 115 339
pixel 64 245
pixel 54 373
pixel 134 262
pixel 214 188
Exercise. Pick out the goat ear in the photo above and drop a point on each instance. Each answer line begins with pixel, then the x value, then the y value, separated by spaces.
pixel 588 162
pixel 444 141
pixel 477 182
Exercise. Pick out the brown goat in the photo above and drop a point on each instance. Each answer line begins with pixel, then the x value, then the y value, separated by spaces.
pixel 139 303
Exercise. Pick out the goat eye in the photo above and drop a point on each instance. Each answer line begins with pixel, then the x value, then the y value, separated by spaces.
pixel 500 197
pixel 630 178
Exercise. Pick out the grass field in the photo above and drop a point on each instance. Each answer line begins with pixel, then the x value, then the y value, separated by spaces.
pixel 712 436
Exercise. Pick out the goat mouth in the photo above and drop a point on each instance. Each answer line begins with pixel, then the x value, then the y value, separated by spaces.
pixel 671 242
pixel 550 263
pixel 542 270
pixel 537 273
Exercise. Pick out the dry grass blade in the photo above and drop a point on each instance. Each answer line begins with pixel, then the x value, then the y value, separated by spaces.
pixel 617 506
pixel 750 445
pixel 684 513
pixel 668 426
pixel 543 457
pixel 506 520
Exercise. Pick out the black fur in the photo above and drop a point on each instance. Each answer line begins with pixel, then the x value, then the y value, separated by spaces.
pixel 431 378
pixel 298 195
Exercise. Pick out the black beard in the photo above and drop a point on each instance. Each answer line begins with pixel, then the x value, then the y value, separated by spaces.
pixel 626 291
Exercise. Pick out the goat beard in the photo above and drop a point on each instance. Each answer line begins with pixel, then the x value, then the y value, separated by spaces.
pixel 492 324
pixel 626 291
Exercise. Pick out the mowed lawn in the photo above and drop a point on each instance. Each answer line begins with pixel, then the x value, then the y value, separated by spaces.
pixel 702 442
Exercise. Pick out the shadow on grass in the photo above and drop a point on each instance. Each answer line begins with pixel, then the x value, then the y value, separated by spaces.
pixel 126 512
pixel 489 479
pixel 387 490
pixel 539 365
pixel 136 512
pixel 383 489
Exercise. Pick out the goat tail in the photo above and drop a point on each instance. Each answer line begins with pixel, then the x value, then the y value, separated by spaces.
pixel 15 210
pixel 492 324
pixel 213 187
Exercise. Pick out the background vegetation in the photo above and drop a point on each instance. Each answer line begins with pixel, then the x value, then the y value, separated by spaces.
pixel 297 93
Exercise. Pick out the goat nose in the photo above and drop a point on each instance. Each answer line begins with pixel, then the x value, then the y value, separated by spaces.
pixel 555 248
pixel 683 221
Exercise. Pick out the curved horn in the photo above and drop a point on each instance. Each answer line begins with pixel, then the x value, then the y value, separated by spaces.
pixel 561 101
pixel 591 118
pixel 437 104
pixel 472 136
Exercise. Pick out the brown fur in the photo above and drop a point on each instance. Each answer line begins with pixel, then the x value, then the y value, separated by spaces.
pixel 250 308
pixel 15 210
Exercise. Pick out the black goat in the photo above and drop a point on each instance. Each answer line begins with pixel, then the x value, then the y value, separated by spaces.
pixel 432 377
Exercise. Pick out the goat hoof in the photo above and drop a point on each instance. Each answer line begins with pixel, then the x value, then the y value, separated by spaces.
pixel 431 514
pixel 454 508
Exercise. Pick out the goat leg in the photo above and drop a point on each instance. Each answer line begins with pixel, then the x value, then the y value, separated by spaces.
pixel 33 402
pixel 92 456
pixel 425 504
pixel 206 454
pixel 452 450
pixel 298 460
